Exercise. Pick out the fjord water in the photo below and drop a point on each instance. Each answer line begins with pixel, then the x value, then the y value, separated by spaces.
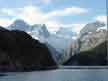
pixel 59 75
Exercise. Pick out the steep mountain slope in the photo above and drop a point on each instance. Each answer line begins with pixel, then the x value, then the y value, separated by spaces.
pixel 66 32
pixel 91 40
pixel 20 52
pixel 19 25
pixel 87 41
pixel 57 42
pixel 95 56
pixel 91 27
pixel 40 30
pixel 36 29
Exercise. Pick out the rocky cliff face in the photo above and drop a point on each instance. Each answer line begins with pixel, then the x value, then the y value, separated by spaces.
pixel 91 40
pixel 91 27
pixel 36 29
pixel 88 44
pixel 19 25
pixel 71 50
pixel 95 56
pixel 20 52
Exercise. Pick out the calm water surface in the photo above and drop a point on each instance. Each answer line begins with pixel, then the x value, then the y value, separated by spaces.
pixel 59 75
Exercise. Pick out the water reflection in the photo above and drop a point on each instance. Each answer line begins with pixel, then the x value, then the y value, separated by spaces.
pixel 59 75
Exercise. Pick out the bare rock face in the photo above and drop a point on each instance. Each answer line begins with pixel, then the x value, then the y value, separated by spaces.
pixel 92 27
pixel 92 49
pixel 96 56
pixel 91 40
pixel 88 46
pixel 71 50
pixel 20 52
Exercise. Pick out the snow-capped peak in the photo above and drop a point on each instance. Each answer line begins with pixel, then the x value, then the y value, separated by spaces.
pixel 19 25
pixel 92 27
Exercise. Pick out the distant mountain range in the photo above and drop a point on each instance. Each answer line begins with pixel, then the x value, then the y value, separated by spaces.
pixel 20 52
pixel 92 27
pixel 23 26
pixel 19 25
pixel 40 32
pixel 66 32
pixel 96 56
pixel 62 39
pixel 90 36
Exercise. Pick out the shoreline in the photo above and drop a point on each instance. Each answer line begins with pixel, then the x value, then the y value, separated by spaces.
pixel 83 67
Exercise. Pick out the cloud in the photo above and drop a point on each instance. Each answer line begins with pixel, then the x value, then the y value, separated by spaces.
pixel 34 15
pixel 101 18
pixel 31 14
pixel 76 27
pixel 68 11
pixel 5 22
pixel 53 25
pixel 7 11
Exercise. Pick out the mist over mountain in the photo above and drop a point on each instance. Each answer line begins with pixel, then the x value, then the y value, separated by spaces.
pixel 66 32
pixel 20 52
pixel 62 43
pixel 40 32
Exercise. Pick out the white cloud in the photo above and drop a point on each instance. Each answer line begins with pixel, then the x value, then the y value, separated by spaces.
pixel 5 22
pixel 33 15
pixel 76 27
pixel 53 25
pixel 68 11
pixel 101 18
pixel 30 14
pixel 6 11
pixel 75 10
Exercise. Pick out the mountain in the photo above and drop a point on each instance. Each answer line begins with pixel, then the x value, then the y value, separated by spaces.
pixel 66 32
pixel 86 42
pixel 91 27
pixel 71 50
pixel 96 56
pixel 20 52
pixel 45 31
pixel 40 30
pixel 91 40
pixel 35 30
pixel 41 33
pixel 54 52
pixel 19 25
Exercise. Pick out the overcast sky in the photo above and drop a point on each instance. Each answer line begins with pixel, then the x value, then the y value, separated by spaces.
pixel 53 13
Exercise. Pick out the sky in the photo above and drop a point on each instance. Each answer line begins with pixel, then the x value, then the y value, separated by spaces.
pixel 53 13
